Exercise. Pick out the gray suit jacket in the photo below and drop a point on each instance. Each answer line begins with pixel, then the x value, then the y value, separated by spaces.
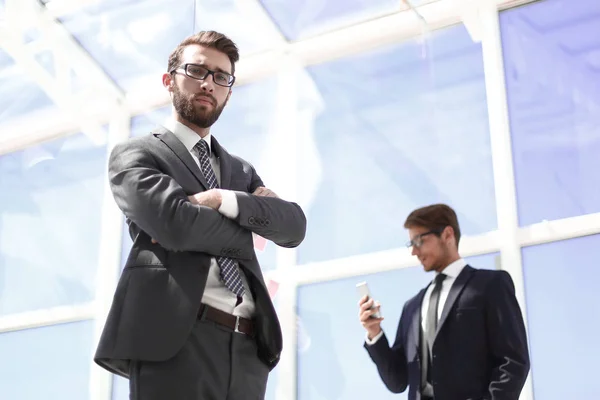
pixel 159 292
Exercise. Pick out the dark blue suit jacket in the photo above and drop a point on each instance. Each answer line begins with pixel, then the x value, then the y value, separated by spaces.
pixel 480 349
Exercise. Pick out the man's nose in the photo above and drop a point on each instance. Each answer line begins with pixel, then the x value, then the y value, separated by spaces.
pixel 414 250
pixel 207 84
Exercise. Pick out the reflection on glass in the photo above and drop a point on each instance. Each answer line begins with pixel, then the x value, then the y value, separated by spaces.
pixel 332 364
pixel 47 363
pixel 552 66
pixel 50 216
pixel 561 289
pixel 398 128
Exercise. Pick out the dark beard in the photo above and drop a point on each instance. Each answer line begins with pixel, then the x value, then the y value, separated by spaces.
pixel 199 117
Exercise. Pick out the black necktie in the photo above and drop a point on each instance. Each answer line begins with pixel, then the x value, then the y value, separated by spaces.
pixel 428 336
pixel 432 311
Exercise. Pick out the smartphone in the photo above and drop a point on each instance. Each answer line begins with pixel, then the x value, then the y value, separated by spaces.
pixel 363 290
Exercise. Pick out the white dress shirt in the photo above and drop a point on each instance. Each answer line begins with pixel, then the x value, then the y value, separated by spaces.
pixel 451 271
pixel 216 293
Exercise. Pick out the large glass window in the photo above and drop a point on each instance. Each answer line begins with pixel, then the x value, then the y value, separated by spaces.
pixel 50 221
pixel 400 127
pixel 47 363
pixel 562 296
pixel 332 364
pixel 552 63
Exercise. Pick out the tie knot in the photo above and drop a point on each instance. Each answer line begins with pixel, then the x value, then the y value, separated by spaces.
pixel 202 147
pixel 439 279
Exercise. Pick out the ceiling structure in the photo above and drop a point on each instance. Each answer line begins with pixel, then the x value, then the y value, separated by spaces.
pixel 68 65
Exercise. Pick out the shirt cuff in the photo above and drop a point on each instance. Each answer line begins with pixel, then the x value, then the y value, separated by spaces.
pixel 229 204
pixel 371 342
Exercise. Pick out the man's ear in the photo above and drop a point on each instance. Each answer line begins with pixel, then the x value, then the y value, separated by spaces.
pixel 448 233
pixel 168 81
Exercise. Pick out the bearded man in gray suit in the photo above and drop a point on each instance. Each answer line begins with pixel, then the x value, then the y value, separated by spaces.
pixel 191 317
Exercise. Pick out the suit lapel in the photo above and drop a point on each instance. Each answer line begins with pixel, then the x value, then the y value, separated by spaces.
pixel 180 151
pixel 224 159
pixel 455 290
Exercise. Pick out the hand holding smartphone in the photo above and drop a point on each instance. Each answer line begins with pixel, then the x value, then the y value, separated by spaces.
pixel 363 290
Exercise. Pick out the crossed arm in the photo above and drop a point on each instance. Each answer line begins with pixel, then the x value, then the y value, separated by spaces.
pixel 159 206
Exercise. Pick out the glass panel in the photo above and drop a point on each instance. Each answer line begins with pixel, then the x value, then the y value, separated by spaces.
pixel 47 363
pixel 120 389
pixel 332 364
pixel 19 94
pixel 552 59
pixel 298 19
pixel 561 292
pixel 132 40
pixel 146 123
pixel 50 217
pixel 391 136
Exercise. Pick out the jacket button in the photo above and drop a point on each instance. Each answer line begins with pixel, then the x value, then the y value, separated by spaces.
pixel 251 220
pixel 267 222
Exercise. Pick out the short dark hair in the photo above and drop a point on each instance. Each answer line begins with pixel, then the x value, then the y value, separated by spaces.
pixel 435 217
pixel 211 39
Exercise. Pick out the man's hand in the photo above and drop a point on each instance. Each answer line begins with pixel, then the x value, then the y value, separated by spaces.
pixel 371 324
pixel 210 198
pixel 264 192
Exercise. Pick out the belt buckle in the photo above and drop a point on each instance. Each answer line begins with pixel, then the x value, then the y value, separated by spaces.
pixel 237 324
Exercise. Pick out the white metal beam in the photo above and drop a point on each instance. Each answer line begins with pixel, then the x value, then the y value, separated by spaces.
pixel 48 316
pixel 382 261
pixel 502 159
pixel 111 236
pixel 562 229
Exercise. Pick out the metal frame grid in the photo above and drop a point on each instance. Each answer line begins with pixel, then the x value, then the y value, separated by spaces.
pixel 481 20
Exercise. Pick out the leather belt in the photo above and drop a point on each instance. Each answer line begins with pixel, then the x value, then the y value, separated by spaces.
pixel 233 322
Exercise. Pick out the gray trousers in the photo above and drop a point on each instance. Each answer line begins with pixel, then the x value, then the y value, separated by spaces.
pixel 214 364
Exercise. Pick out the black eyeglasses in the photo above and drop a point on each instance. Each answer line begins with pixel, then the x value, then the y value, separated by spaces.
pixel 200 73
pixel 417 241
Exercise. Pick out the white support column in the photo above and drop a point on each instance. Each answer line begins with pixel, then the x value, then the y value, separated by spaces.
pixel 500 136
pixel 283 143
pixel 284 151
pixel 110 259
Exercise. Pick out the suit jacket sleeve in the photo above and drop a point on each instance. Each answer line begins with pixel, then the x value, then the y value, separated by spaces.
pixel 391 361
pixel 280 221
pixel 155 203
pixel 508 339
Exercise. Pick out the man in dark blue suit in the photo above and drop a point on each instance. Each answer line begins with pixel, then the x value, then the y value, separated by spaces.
pixel 460 338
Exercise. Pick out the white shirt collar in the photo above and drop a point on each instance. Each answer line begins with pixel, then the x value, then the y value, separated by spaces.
pixel 188 137
pixel 454 269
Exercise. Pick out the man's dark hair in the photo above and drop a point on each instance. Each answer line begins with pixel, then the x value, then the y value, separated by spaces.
pixel 435 217
pixel 211 39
